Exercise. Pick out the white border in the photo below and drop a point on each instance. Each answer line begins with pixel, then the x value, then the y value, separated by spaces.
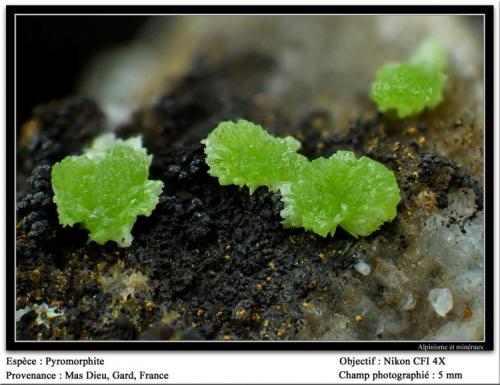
pixel 252 341
pixel 267 367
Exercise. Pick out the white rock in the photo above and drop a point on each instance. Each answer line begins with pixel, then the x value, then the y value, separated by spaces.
pixel 458 331
pixel 471 282
pixel 408 303
pixel 380 327
pixel 362 268
pixel 21 312
pixel 441 301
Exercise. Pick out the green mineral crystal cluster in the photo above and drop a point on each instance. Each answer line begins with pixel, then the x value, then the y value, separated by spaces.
pixel 106 188
pixel 410 87
pixel 244 154
pixel 358 195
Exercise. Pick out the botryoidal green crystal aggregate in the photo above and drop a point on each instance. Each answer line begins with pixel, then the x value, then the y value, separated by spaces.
pixel 358 195
pixel 106 188
pixel 410 87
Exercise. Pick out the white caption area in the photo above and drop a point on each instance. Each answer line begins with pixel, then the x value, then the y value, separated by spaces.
pixel 258 367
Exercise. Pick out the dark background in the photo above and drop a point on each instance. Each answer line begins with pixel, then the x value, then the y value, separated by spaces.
pixel 52 50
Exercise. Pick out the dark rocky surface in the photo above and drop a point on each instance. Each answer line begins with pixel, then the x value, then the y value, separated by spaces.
pixel 211 262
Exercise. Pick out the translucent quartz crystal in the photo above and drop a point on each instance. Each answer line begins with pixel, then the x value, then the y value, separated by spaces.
pixel 441 301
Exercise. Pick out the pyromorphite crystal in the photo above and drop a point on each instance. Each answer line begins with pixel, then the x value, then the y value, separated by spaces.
pixel 244 154
pixel 358 195
pixel 106 188
pixel 410 87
